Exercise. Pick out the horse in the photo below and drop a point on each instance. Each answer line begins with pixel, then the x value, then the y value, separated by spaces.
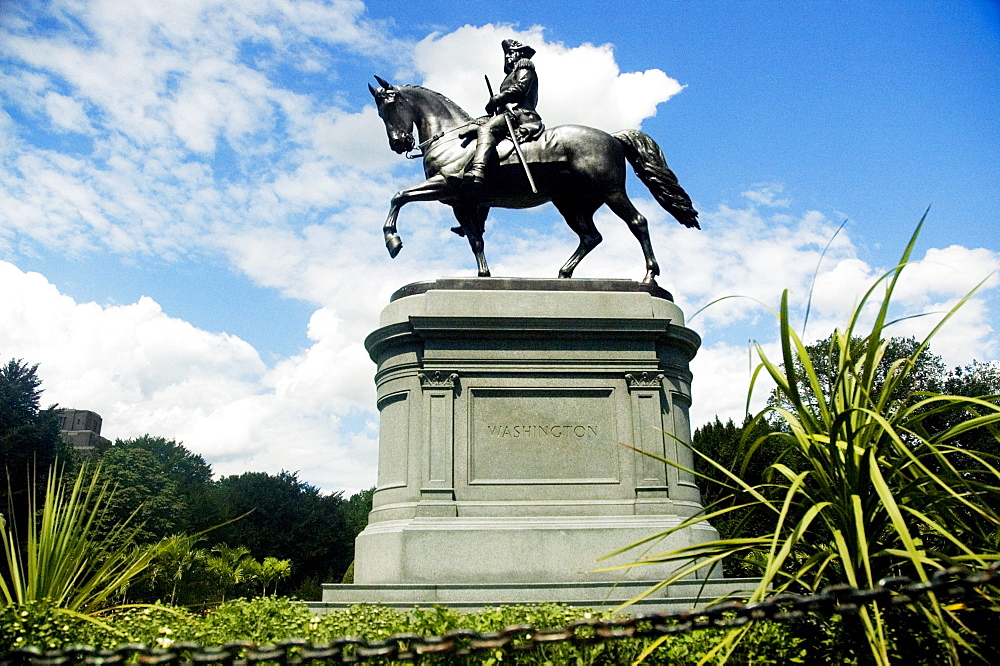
pixel 577 168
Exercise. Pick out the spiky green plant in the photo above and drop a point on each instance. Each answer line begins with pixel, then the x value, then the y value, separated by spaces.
pixel 65 560
pixel 877 492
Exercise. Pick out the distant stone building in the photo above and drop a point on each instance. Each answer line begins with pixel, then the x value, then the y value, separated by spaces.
pixel 81 429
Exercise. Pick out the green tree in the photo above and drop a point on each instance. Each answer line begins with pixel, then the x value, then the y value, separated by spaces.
pixel 356 510
pixel 142 490
pixel 29 435
pixel 914 370
pixel 29 438
pixel 923 371
pixel 190 475
pixel 723 443
pixel 979 380
pixel 168 488
pixel 288 519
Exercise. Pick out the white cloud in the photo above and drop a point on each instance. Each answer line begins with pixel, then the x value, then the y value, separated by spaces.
pixel 192 125
pixel 767 195
pixel 722 374
pixel 147 372
pixel 355 139
pixel 66 113
pixel 580 85
pixel 192 142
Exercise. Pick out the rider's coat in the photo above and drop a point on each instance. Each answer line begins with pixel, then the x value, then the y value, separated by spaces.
pixel 520 90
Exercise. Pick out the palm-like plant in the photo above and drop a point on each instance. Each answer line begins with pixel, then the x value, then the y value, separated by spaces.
pixel 876 490
pixel 65 560
pixel 176 557
pixel 270 571
pixel 231 566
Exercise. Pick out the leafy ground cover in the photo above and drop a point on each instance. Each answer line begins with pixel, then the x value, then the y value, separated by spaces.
pixel 265 620
pixel 270 619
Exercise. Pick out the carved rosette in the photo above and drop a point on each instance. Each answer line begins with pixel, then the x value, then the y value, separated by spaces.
pixel 437 379
pixel 644 381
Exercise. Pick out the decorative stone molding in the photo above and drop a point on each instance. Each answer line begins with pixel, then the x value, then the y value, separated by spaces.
pixel 437 379
pixel 644 380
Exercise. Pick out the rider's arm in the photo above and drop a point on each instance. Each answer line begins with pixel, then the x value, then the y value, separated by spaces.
pixel 516 86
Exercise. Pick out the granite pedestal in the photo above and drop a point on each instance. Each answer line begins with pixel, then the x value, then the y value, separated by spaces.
pixel 512 417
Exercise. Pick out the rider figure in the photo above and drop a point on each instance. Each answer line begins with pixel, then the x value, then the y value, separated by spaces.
pixel 518 96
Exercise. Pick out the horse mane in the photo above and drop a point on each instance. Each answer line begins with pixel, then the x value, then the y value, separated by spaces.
pixel 443 99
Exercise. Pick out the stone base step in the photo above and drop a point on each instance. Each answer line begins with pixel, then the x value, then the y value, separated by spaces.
pixel 682 595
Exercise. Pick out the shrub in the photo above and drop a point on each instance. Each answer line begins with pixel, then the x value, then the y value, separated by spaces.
pixel 64 561
pixel 269 619
pixel 877 490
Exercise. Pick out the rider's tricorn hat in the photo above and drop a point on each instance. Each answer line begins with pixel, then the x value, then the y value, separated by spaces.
pixel 513 45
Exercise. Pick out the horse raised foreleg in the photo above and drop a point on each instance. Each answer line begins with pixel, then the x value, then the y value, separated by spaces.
pixel 432 189
pixel 623 208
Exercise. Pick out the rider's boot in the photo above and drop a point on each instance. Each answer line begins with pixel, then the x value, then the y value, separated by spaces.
pixel 485 142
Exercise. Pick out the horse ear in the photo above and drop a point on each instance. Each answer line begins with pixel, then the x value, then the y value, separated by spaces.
pixel 382 82
pixel 373 91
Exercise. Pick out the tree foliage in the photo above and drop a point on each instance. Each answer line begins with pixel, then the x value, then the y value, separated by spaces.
pixel 168 487
pixel 923 371
pixel 29 437
pixel 292 534
pixel 287 519
pixel 64 559
pixel 722 442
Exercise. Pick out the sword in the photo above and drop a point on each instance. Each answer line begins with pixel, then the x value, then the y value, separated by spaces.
pixel 513 138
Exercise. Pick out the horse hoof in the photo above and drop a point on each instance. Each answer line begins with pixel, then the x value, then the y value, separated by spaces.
pixel 565 275
pixel 650 279
pixel 484 274
pixel 394 245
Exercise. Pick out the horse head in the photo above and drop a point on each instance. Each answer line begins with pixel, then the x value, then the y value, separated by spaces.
pixel 397 114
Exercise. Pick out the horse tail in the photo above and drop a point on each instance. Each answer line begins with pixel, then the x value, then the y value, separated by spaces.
pixel 651 167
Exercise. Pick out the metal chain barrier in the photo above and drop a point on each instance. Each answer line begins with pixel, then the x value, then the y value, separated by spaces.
pixel 947 584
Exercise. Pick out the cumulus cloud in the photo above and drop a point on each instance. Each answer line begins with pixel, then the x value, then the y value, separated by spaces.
pixel 170 130
pixel 746 257
pixel 179 120
pixel 581 85
pixel 147 372
pixel 767 195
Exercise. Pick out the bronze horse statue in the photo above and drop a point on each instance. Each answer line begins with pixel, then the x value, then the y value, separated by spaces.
pixel 577 168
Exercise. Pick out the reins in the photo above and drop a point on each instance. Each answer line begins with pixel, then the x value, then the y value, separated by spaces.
pixel 423 145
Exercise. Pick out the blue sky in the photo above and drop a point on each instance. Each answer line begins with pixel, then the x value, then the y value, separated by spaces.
pixel 192 194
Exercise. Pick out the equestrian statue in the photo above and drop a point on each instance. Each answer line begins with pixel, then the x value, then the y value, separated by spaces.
pixel 508 159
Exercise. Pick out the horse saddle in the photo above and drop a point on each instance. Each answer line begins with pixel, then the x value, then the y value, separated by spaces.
pixel 543 149
pixel 505 151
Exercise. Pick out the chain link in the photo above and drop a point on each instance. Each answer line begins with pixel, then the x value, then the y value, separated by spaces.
pixel 950 584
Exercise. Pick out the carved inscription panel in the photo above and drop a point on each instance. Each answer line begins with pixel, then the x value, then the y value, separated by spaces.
pixel 542 436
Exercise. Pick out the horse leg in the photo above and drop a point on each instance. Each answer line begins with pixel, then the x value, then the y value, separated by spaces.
pixel 432 189
pixel 473 221
pixel 580 218
pixel 619 202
